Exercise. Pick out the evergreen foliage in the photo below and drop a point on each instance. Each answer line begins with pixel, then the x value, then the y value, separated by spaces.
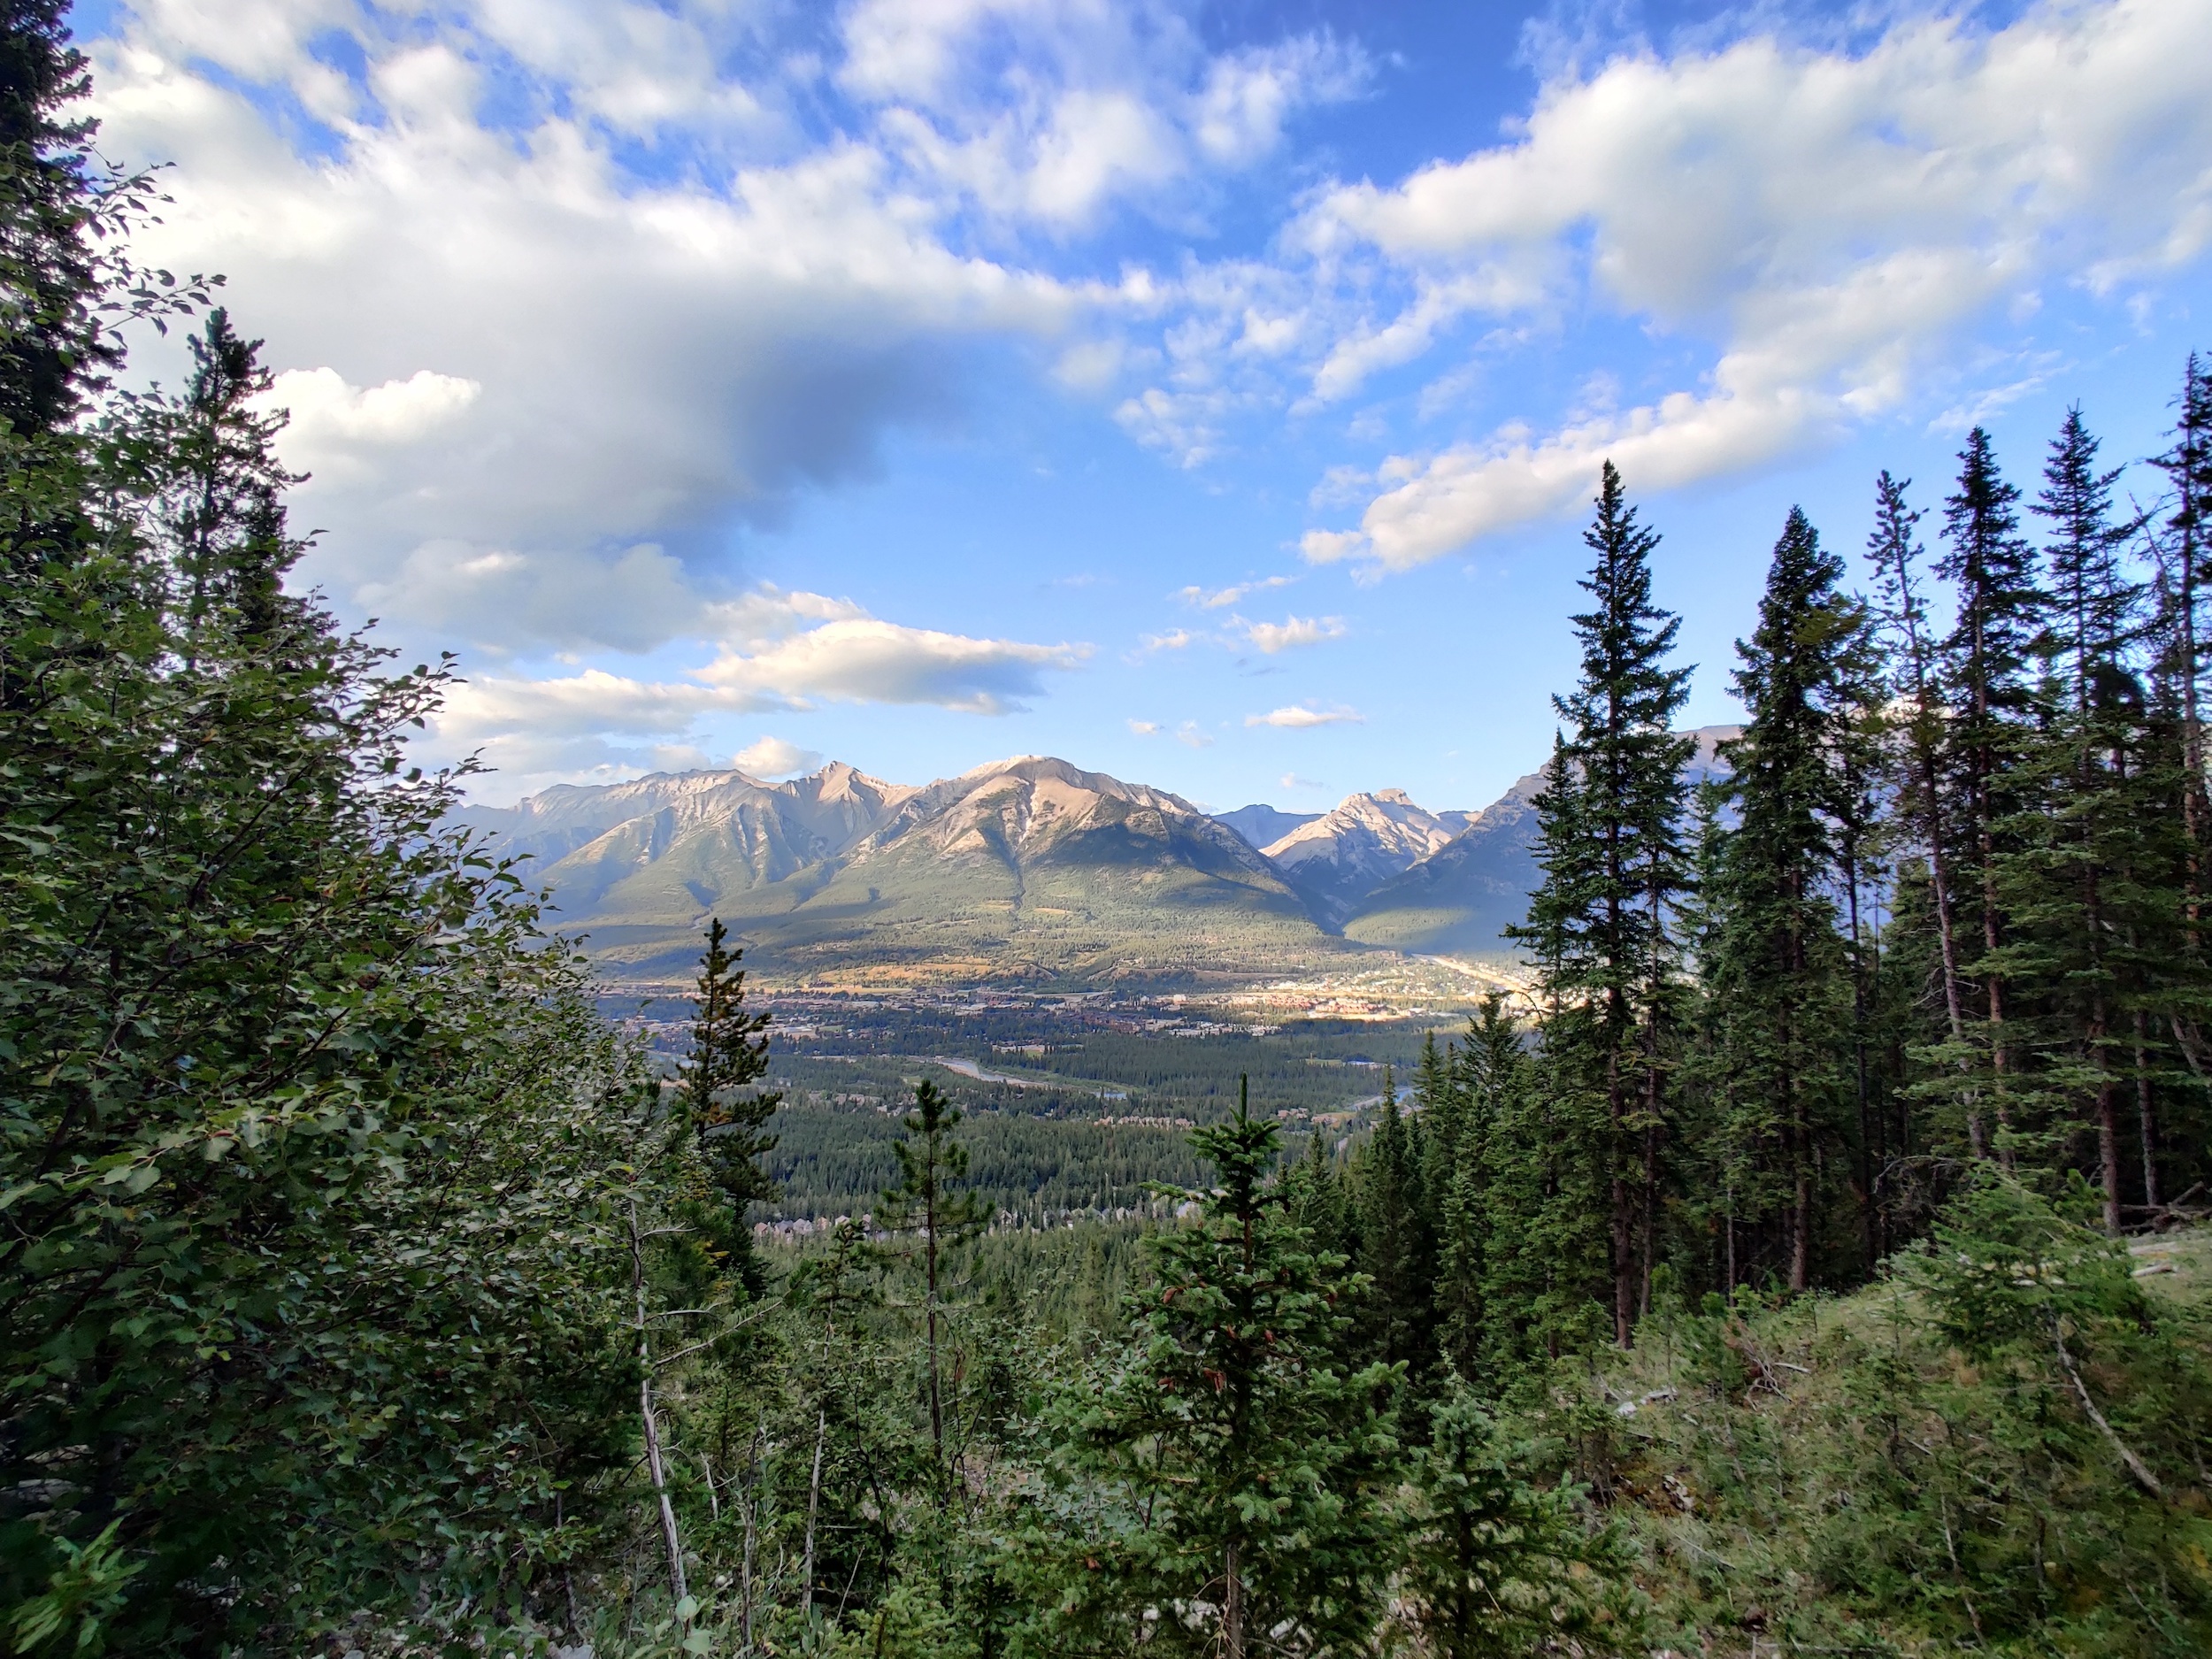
pixel 311 1151
pixel 1223 1480
pixel 727 1108
pixel 1602 926
pixel 1780 1062
pixel 1788 1264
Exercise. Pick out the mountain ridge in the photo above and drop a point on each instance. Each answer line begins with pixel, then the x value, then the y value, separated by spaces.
pixel 1029 869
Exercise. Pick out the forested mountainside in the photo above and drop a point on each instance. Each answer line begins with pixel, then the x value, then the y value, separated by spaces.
pixel 1814 1261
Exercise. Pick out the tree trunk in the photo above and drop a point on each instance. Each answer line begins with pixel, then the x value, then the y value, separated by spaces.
pixel 1992 938
pixel 1867 1222
pixel 2192 724
pixel 668 1535
pixel 752 1521
pixel 936 1404
pixel 1232 1606
pixel 813 1504
pixel 2109 1149
pixel 2146 1123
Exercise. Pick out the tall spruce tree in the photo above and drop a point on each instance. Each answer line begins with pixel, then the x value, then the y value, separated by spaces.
pixel 1985 660
pixel 1926 800
pixel 222 513
pixel 1396 1242
pixel 930 1203
pixel 51 346
pixel 2185 555
pixel 727 1108
pixel 1493 1274
pixel 1611 843
pixel 1776 966
pixel 2074 880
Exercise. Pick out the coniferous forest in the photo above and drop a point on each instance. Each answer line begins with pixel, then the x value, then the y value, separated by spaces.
pixel 1805 1266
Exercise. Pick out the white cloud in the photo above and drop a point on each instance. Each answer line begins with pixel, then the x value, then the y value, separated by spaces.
pixel 1190 735
pixel 774 758
pixel 1221 598
pixel 779 650
pixel 866 660
pixel 1239 113
pixel 1302 717
pixel 514 350
pixel 1049 114
pixel 1834 219
pixel 327 419
pixel 499 344
pixel 1271 637
pixel 1291 781
pixel 1173 639
pixel 1145 729
pixel 1186 426
pixel 587 703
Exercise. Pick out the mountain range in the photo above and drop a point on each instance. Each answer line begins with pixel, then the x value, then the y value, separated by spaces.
pixel 1026 870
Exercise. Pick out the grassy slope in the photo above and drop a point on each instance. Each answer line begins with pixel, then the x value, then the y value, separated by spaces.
pixel 1740 1503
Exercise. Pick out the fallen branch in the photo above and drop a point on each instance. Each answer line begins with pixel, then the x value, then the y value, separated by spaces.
pixel 2135 1465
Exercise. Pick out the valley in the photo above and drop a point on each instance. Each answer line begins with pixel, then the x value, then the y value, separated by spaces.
pixel 1073 1103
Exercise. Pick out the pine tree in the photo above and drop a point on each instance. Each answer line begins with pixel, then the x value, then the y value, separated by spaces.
pixel 1864 836
pixel 1498 1559
pixel 1242 1473
pixel 1776 960
pixel 2186 554
pixel 2072 881
pixel 1925 795
pixel 51 348
pixel 727 1109
pixel 1986 656
pixel 1397 1251
pixel 221 513
pixel 1489 1303
pixel 928 1202
pixel 1611 847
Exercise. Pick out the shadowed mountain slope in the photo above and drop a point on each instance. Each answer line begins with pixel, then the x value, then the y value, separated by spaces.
pixel 1462 898
pixel 1340 858
pixel 1260 824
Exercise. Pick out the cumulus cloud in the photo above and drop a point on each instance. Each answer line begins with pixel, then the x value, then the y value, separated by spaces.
pixel 862 659
pixel 499 343
pixel 1271 637
pixel 546 281
pixel 1109 102
pixel 584 704
pixel 775 757
pixel 1834 219
pixel 1304 717
pixel 777 649
pixel 1145 729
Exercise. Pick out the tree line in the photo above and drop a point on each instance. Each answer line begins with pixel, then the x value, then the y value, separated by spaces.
pixel 361 1290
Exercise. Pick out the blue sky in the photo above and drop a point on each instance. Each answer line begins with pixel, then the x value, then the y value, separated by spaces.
pixel 1206 394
